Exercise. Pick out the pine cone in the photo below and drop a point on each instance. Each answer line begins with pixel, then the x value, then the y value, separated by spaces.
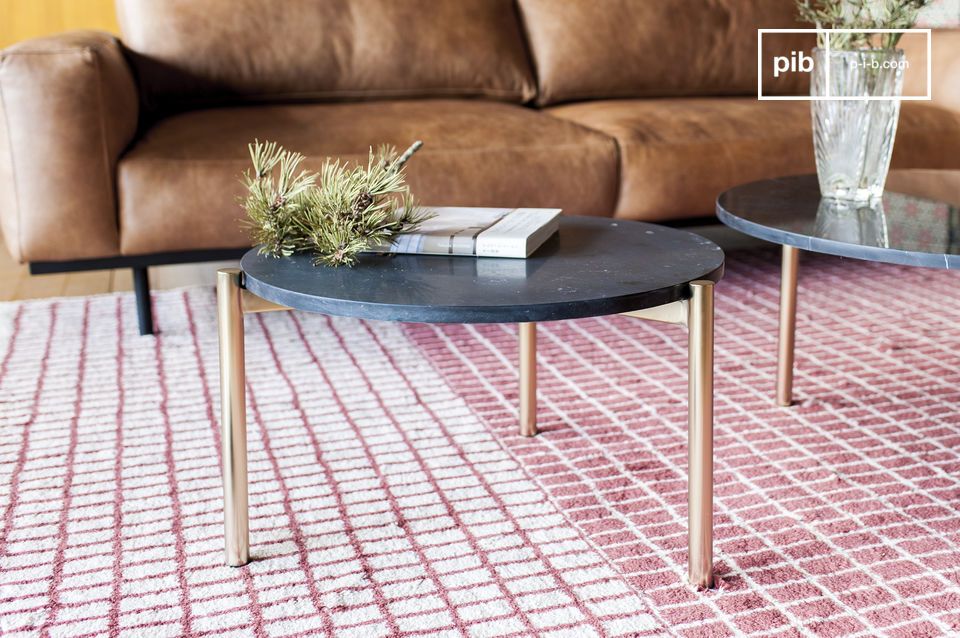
pixel 361 204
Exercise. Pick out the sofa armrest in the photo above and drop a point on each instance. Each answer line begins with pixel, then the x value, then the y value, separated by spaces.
pixel 68 109
pixel 945 67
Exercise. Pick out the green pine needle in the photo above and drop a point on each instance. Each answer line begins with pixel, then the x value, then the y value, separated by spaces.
pixel 335 213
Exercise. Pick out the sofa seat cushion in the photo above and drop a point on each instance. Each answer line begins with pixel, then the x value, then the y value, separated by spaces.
pixel 677 155
pixel 179 185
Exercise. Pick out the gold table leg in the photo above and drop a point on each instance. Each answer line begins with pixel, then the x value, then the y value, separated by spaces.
pixel 788 324
pixel 697 314
pixel 528 379
pixel 233 417
pixel 700 437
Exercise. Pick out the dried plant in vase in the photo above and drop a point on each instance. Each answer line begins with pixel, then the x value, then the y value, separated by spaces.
pixel 334 214
pixel 861 14
pixel 856 85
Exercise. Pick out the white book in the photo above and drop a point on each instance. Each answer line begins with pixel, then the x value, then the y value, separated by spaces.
pixel 480 232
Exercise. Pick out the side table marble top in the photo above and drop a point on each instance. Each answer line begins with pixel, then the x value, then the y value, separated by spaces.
pixel 593 266
pixel 916 224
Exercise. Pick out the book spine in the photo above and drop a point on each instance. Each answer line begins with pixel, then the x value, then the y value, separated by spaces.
pixel 503 247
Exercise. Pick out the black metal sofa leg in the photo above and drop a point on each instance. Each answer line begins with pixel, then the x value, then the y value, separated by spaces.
pixel 141 287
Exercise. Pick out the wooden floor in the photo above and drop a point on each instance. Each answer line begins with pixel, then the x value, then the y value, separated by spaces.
pixel 16 282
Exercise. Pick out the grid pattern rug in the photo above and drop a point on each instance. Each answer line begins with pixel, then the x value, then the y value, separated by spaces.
pixel 391 495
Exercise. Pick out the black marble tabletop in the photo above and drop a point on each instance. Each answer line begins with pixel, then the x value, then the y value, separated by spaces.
pixel 593 266
pixel 917 223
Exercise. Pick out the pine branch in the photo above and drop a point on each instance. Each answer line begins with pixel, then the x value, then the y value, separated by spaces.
pixel 398 166
pixel 336 213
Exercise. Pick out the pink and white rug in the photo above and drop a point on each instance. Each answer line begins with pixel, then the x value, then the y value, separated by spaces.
pixel 391 495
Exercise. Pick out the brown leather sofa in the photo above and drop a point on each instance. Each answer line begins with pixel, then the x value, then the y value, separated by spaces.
pixel 127 152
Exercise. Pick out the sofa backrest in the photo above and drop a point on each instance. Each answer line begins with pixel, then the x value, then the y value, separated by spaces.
pixel 591 49
pixel 195 52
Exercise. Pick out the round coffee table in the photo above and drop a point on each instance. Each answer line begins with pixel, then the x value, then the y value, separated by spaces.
pixel 594 266
pixel 917 223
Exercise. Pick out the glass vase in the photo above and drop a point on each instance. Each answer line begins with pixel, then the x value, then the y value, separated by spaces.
pixel 853 138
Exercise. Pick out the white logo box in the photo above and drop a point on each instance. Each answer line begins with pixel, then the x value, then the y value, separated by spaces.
pixel 829 98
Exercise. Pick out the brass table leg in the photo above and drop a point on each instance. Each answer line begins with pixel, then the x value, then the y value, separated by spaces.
pixel 233 417
pixel 788 324
pixel 528 379
pixel 697 314
pixel 700 437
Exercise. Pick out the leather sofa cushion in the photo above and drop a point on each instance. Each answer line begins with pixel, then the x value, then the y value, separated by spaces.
pixel 677 155
pixel 589 49
pixel 179 185
pixel 190 52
